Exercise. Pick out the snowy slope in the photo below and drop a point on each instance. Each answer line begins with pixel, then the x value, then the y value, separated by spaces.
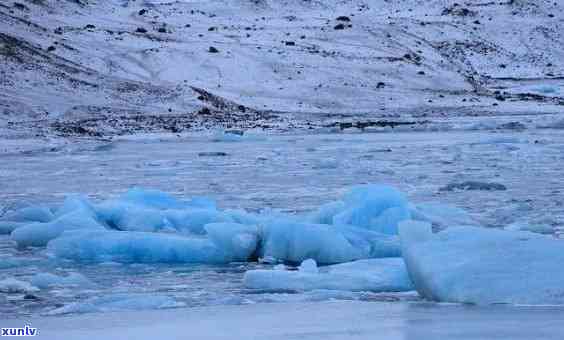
pixel 122 66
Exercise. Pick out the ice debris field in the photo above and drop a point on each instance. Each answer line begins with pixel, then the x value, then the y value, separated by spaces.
pixel 371 240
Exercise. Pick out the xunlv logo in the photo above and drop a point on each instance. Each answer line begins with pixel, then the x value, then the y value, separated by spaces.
pixel 23 331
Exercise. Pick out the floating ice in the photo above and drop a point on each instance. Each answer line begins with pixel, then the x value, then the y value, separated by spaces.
pixel 295 242
pixel 47 280
pixel 362 225
pixel 6 227
pixel 376 207
pixel 194 220
pixel 371 244
pixel 39 234
pixel 375 275
pixel 226 245
pixel 76 203
pixel 29 214
pixel 235 136
pixel 540 228
pixel 18 218
pixel 12 286
pixel 483 266
pixel 309 266
pixel 118 302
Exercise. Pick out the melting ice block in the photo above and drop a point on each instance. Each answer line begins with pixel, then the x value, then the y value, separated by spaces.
pixel 375 275
pixel 39 234
pixel 483 266
pixel 18 218
pixel 295 242
pixel 227 243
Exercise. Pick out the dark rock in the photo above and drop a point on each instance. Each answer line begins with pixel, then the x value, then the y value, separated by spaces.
pixel 512 126
pixel 204 111
pixel 343 18
pixel 20 6
pixel 142 11
pixel 162 30
pixel 213 50
pixel 212 154
pixel 339 27
pixel 89 27
pixel 30 297
pixel 474 185
pixel 380 85
pixel 51 48
pixel 290 43
pixel 456 10
pixel 141 30
pixel 421 72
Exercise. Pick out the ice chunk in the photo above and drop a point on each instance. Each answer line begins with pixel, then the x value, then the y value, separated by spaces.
pixel 483 266
pixel 39 234
pixel 295 242
pixel 47 280
pixel 29 214
pixel 12 285
pixel 152 198
pixel 143 247
pixel 238 240
pixel 235 136
pixel 126 216
pixel 540 228
pixel 76 203
pixel 309 266
pixel 119 302
pixel 325 213
pixel 18 218
pixel 242 216
pixel 194 220
pixel 375 275
pixel 6 227
pixel 369 243
pixel 375 207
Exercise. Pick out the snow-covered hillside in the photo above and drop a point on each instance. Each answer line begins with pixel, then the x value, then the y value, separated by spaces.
pixel 118 66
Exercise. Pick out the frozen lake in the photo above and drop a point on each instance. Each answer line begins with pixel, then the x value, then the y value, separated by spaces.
pixel 292 173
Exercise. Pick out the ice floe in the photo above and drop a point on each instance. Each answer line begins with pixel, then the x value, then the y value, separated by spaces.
pixel 483 266
pixel 374 275
pixel 118 302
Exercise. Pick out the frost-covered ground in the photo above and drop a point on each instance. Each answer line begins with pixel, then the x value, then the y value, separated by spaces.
pixel 287 173
pixel 119 67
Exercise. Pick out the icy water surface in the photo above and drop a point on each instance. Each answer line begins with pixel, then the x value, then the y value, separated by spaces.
pixel 290 173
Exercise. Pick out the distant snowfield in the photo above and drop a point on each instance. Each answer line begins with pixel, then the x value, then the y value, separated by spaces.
pixel 320 321
pixel 107 63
